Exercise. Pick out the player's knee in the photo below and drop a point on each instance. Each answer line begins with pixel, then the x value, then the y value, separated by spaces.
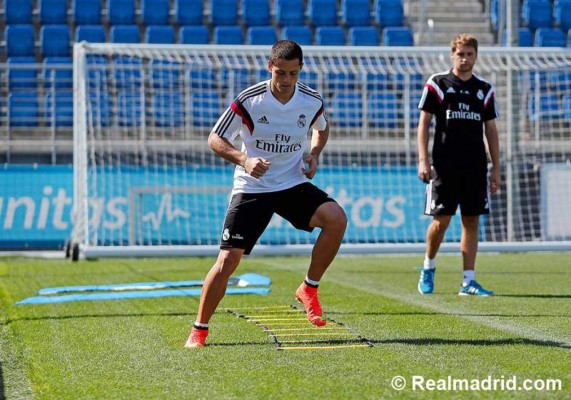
pixel 336 218
pixel 227 263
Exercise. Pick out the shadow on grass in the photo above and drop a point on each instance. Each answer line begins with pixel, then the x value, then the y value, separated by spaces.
pixel 475 342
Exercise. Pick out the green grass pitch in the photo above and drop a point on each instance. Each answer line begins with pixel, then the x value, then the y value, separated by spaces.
pixel 132 349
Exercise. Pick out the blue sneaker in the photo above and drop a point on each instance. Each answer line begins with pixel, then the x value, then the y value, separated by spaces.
pixel 426 281
pixel 474 289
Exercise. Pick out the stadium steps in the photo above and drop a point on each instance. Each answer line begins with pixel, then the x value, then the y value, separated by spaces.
pixel 451 18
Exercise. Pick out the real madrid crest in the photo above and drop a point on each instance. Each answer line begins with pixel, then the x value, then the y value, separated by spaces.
pixel 480 94
pixel 301 121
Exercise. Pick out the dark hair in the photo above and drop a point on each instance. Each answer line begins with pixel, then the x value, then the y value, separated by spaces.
pixel 287 50
pixel 464 39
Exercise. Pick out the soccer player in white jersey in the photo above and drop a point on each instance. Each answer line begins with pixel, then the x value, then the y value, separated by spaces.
pixel 274 119
pixel 465 109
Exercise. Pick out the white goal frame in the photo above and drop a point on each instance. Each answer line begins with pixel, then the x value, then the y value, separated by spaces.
pixel 513 67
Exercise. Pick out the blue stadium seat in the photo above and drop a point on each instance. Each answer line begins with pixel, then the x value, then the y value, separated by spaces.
pixel 121 12
pixel 205 108
pixel 377 74
pixel 256 12
pixel 100 114
pixel 228 35
pixel 129 109
pixel 55 41
pixel 330 36
pixel 562 14
pixel 525 38
pixel 196 34
pixel 22 73
pixel 308 74
pixel 18 11
pixel 201 77
pixel 355 13
pixel 125 34
pixel 398 36
pixel 569 38
pixel 98 72
pixel 388 13
pixel 347 109
pixel 224 12
pixel 560 80
pixel 188 12
pixel 537 14
pixel 86 12
pixel 90 33
pixel 322 12
pixel 299 34
pixel 165 74
pixel 23 109
pixel 53 12
pixel 168 109
pixel 495 15
pixel 341 75
pixel 383 111
pixel 237 77
pixel 155 12
pixel 290 12
pixel 163 34
pixel 567 107
pixel 549 37
pixel 262 35
pixel 127 73
pixel 20 40
pixel 546 107
pixel 57 73
pixel 363 36
pixel 407 73
pixel 58 109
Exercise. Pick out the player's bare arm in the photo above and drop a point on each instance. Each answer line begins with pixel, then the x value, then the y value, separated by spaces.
pixel 255 166
pixel 491 132
pixel 422 141
pixel 318 142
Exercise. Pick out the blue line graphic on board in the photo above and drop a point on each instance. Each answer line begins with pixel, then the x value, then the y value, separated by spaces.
pixel 249 279
pixel 132 295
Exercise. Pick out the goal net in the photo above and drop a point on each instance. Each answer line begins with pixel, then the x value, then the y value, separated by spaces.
pixel 147 184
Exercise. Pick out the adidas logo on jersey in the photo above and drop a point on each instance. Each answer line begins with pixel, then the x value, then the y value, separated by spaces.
pixel 263 120
pixel 450 90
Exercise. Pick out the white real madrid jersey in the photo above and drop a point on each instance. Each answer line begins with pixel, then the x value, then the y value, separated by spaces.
pixel 274 131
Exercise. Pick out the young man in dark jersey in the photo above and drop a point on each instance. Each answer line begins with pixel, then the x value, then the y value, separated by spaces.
pixel 273 119
pixel 465 109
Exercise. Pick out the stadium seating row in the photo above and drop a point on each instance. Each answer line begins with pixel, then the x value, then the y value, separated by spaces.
pixel 384 110
pixel 55 40
pixel 167 109
pixel 542 37
pixel 537 14
pixel 349 13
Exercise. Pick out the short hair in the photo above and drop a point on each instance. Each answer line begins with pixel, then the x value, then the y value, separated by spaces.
pixel 287 50
pixel 464 39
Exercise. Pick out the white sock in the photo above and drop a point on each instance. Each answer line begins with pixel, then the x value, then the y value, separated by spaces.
pixel 200 325
pixel 429 263
pixel 467 277
pixel 311 282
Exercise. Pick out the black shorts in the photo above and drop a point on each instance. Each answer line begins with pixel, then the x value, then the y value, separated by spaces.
pixel 249 214
pixel 450 188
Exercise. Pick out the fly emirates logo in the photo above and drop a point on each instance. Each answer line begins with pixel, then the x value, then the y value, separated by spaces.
pixel 463 113
pixel 281 144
